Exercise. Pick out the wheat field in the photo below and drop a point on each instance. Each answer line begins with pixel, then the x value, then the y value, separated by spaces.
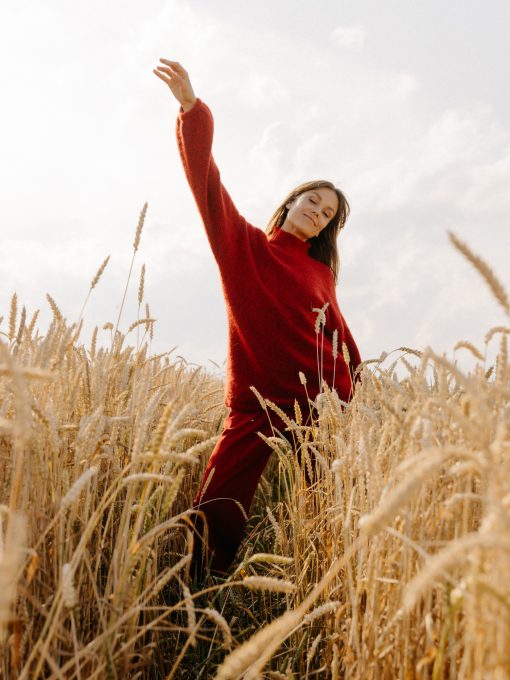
pixel 393 563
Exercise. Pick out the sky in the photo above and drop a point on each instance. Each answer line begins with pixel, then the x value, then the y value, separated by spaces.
pixel 404 105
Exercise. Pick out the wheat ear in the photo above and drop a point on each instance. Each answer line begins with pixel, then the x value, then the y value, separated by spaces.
pixel 136 243
pixel 483 268
pixel 470 347
pixel 456 553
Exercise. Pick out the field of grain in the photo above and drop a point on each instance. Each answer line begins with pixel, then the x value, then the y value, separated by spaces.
pixel 393 563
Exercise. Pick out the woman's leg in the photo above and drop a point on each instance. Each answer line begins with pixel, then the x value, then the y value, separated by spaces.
pixel 229 484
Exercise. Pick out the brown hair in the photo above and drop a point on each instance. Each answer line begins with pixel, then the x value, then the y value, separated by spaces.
pixel 324 247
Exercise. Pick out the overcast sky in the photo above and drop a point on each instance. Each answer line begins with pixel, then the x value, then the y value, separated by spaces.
pixel 405 106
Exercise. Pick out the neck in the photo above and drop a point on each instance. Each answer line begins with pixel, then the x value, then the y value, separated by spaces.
pixel 292 231
pixel 286 239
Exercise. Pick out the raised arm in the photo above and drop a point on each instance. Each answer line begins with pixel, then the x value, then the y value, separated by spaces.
pixel 227 231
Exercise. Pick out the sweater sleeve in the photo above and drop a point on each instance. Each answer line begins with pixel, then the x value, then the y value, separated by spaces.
pixel 227 231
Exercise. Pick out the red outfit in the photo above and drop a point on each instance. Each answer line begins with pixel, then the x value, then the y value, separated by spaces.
pixel 238 460
pixel 271 287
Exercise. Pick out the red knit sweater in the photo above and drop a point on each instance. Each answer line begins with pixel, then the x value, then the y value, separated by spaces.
pixel 271 287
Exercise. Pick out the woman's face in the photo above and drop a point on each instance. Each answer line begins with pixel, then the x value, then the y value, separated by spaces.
pixel 310 212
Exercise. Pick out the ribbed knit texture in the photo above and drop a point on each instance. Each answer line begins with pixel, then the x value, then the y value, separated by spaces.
pixel 271 287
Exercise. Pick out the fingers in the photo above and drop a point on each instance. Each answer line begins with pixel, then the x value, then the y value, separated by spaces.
pixel 175 65
pixel 166 70
pixel 172 72
pixel 172 76
pixel 162 76
pixel 177 79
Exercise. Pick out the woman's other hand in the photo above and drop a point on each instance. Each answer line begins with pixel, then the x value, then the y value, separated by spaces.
pixel 177 79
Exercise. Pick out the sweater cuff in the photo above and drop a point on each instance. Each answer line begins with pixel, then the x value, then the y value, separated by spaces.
pixel 185 114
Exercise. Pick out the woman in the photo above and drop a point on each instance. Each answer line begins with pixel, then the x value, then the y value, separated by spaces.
pixel 279 288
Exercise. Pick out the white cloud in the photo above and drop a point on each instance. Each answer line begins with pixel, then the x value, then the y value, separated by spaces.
pixel 270 161
pixel 349 36
pixel 261 90
pixel 461 160
pixel 400 85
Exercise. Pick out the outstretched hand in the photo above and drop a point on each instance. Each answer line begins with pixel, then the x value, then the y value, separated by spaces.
pixel 178 81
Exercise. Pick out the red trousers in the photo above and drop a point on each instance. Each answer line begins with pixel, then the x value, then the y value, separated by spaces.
pixel 230 481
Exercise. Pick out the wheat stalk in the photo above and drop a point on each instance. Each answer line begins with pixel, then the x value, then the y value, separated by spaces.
pixel 274 585
pixel 74 492
pixel 141 285
pixel 141 221
pixel 93 284
pixel 467 345
pixel 21 325
pixel 422 466
pixel 12 316
pixel 57 314
pixel 222 625
pixel 453 555
pixel 139 323
pixel 32 323
pixel 136 243
pixel 483 268
pixel 11 556
pixel 69 594
pixel 495 329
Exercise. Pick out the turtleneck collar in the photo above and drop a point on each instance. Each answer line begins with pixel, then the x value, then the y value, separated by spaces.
pixel 288 240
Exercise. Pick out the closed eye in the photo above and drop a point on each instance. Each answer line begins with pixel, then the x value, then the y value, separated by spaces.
pixel 324 212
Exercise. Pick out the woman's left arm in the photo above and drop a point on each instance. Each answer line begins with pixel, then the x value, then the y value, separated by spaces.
pixel 354 355
pixel 337 320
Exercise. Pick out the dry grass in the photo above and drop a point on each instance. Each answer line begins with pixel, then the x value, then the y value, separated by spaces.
pixel 392 564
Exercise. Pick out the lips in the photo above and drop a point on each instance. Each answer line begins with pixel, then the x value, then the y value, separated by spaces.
pixel 312 220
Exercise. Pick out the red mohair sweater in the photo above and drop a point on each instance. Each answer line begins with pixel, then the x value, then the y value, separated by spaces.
pixel 271 286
